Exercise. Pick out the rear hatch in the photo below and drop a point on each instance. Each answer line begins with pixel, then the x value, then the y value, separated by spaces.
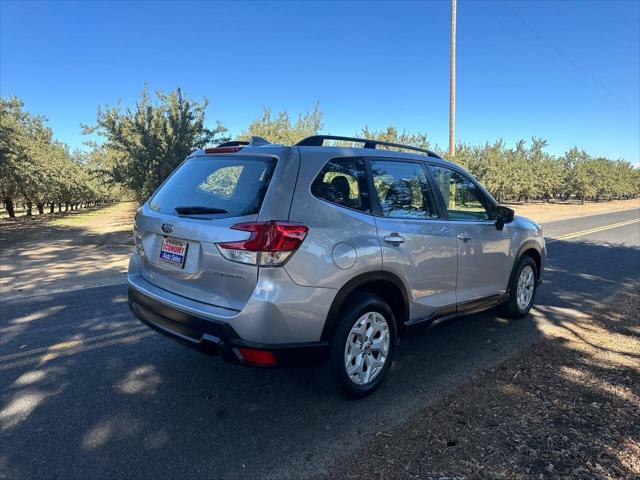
pixel 178 228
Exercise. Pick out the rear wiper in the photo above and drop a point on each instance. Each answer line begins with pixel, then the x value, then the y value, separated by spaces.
pixel 198 210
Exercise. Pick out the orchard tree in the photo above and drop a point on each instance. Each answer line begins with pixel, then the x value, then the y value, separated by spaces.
pixel 279 129
pixel 150 141
pixel 143 145
pixel 12 139
pixel 393 135
pixel 23 157
pixel 35 169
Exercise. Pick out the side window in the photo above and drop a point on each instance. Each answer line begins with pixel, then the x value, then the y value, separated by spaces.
pixel 343 181
pixel 462 198
pixel 402 189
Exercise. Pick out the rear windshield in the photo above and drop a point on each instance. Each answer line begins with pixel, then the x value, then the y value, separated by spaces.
pixel 215 187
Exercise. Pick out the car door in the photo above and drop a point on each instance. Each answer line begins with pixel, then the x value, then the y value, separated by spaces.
pixel 417 245
pixel 483 250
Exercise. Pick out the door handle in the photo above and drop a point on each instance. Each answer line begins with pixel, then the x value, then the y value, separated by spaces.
pixel 464 237
pixel 394 238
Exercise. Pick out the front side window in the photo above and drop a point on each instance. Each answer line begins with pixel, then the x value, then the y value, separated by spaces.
pixel 462 198
pixel 342 181
pixel 402 189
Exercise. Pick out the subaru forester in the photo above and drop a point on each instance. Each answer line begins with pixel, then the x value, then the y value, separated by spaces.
pixel 324 254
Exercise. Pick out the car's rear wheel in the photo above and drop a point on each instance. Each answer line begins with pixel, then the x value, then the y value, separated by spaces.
pixel 362 347
pixel 522 289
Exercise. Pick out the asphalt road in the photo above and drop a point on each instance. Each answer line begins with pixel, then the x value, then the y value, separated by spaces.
pixel 88 392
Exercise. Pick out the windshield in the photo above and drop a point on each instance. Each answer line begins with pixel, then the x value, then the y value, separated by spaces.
pixel 215 187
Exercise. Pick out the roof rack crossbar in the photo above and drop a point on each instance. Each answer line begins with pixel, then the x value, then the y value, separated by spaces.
pixel 318 141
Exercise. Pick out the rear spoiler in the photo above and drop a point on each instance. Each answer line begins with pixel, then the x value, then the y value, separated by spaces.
pixel 254 142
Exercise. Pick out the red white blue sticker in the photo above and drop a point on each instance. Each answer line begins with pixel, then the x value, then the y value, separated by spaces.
pixel 173 252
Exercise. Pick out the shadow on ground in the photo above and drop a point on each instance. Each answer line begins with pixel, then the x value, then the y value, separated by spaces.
pixel 112 399
pixel 84 248
pixel 567 407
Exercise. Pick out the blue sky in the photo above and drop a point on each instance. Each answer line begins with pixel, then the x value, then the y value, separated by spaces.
pixel 565 71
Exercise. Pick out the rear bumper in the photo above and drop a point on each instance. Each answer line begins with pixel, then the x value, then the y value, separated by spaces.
pixel 213 337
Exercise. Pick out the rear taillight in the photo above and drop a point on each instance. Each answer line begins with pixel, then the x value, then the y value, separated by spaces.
pixel 270 243
pixel 222 150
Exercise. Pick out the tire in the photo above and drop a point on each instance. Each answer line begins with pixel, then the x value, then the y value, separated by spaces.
pixel 363 310
pixel 515 307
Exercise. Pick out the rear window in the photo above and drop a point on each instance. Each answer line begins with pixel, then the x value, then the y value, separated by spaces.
pixel 215 187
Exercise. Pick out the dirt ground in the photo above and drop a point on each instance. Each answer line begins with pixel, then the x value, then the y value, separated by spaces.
pixel 548 212
pixel 567 407
pixel 56 252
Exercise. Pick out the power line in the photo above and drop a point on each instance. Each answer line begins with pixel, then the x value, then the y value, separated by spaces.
pixel 569 59
pixel 539 51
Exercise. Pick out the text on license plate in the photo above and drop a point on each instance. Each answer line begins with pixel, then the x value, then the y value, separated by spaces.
pixel 173 252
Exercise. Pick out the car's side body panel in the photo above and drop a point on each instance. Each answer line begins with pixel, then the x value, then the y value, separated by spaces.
pixel 484 259
pixel 426 262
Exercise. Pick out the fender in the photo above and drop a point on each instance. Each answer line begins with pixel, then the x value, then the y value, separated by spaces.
pixel 351 286
pixel 527 245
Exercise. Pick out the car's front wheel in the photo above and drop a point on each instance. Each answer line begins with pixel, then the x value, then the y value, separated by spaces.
pixel 522 290
pixel 362 347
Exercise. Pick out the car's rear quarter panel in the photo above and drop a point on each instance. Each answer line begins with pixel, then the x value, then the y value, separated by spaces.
pixel 353 232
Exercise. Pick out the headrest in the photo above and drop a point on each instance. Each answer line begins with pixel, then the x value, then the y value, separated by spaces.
pixel 340 188
pixel 399 194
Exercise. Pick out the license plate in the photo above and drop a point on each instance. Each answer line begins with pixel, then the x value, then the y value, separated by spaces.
pixel 173 252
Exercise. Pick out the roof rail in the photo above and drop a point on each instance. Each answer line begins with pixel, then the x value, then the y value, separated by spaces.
pixel 318 141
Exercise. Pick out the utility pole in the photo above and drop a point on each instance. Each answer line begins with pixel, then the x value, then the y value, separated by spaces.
pixel 452 83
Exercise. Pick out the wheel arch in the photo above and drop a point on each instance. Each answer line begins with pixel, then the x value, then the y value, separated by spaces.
pixel 384 284
pixel 532 249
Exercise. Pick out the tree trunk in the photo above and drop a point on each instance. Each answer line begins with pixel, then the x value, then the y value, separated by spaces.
pixel 8 203
pixel 29 208
pixel 52 207
pixel 66 207
pixel 40 206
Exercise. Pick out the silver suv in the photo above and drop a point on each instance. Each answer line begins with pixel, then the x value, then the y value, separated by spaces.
pixel 287 255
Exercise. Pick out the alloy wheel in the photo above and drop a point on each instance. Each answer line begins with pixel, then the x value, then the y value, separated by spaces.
pixel 367 348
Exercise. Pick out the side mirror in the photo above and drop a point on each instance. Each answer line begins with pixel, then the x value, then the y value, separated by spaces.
pixel 504 215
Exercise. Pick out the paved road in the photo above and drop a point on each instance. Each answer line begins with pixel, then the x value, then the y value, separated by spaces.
pixel 87 392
